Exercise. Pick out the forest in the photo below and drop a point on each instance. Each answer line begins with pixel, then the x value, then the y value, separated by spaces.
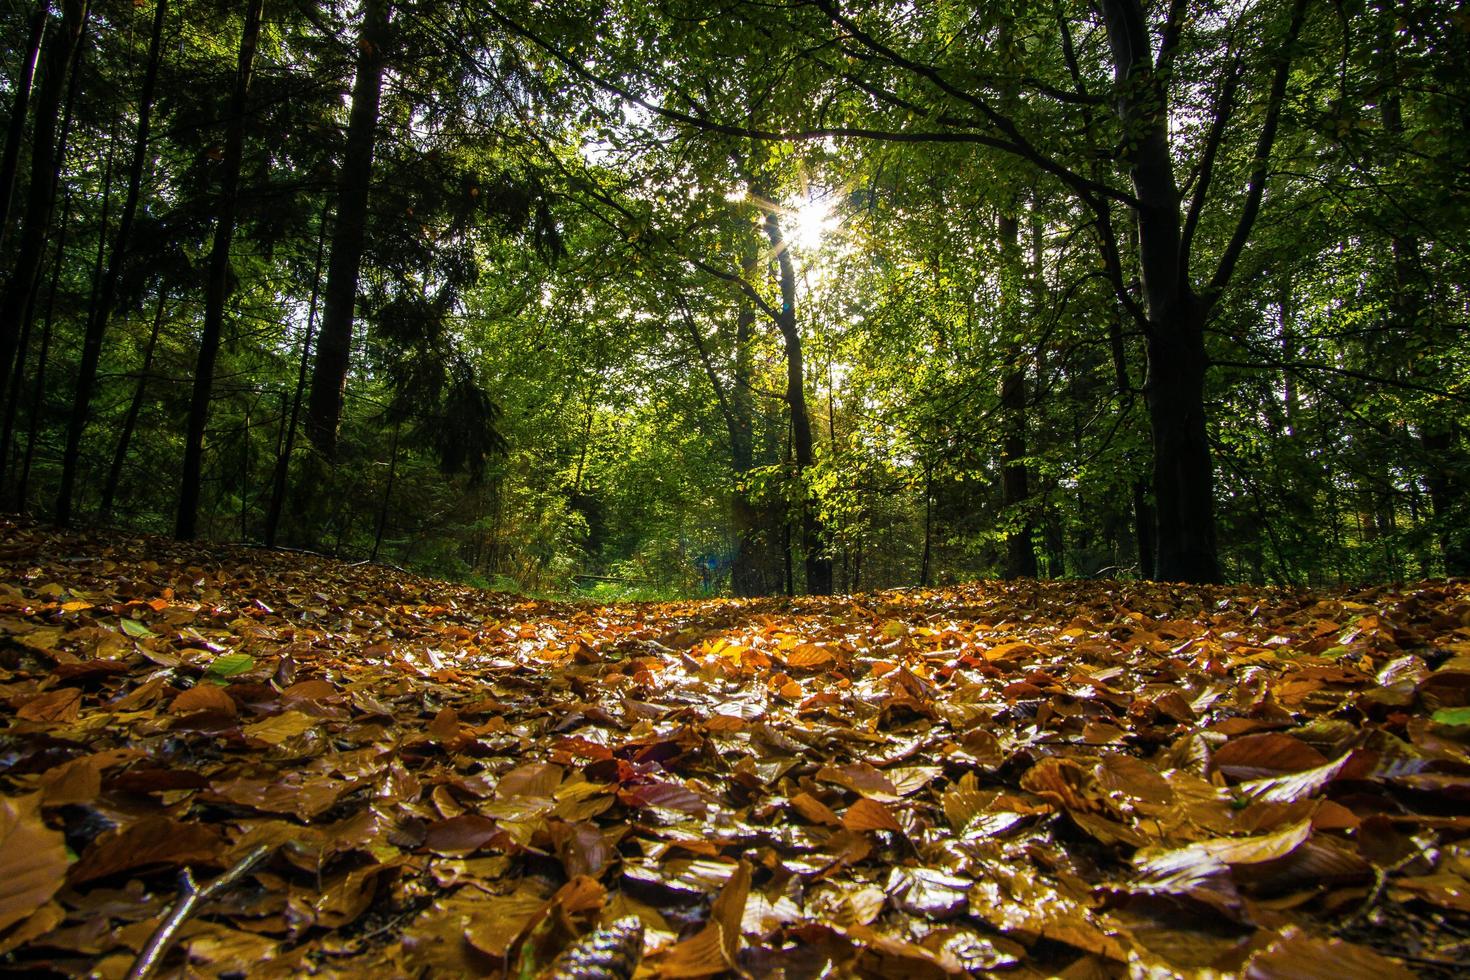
pixel 666 298
pixel 571 490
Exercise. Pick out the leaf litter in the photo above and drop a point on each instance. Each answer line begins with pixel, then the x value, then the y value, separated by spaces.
pixel 1025 779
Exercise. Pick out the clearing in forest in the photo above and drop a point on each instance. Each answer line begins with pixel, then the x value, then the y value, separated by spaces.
pixel 1012 779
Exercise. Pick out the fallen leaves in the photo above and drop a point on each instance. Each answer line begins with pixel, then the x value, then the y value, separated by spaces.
pixel 33 859
pixel 1022 779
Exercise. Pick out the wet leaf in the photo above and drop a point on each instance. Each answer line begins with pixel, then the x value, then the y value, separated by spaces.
pixel 33 860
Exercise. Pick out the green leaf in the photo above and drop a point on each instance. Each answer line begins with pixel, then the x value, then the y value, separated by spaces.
pixel 136 629
pixel 1452 716
pixel 230 664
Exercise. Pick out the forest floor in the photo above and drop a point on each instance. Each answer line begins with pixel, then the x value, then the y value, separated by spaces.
pixel 1079 779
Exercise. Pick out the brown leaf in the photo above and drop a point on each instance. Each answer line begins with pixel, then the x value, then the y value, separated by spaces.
pixel 280 728
pixel 77 781
pixel 60 705
pixel 1267 754
pixel 712 950
pixel 861 778
pixel 460 835
pixel 868 814
pixel 32 859
pixel 815 810
pixel 150 841
pixel 1297 956
pixel 203 698
pixel 535 779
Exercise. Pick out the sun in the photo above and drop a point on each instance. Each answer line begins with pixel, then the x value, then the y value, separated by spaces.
pixel 811 222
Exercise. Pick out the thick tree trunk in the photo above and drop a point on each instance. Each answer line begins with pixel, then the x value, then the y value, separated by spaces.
pixel 1183 474
pixel 818 565
pixel 41 193
pixel 107 293
pixel 15 135
pixel 217 286
pixel 130 420
pixel 283 459
pixel 334 345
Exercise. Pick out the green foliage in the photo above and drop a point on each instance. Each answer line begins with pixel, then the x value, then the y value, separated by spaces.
pixel 567 362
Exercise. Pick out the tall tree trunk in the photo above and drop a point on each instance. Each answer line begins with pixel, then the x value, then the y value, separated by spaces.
pixel 1183 474
pixel 130 420
pixel 818 566
pixel 283 460
pixel 38 388
pixel 928 522
pixel 41 194
pixel 1143 517
pixel 1015 490
pixel 15 135
pixel 106 295
pixel 334 345
pixel 387 494
pixel 748 570
pixel 217 286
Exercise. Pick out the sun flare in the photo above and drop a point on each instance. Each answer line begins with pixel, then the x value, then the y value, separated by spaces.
pixel 811 222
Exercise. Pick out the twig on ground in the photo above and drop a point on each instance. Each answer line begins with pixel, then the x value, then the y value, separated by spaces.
pixel 191 896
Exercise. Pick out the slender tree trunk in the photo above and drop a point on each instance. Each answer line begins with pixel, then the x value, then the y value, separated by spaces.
pixel 69 459
pixel 1183 474
pixel 283 460
pixel 41 194
pixel 928 522
pixel 130 420
pixel 1143 517
pixel 387 493
pixel 106 296
pixel 334 346
pixel 818 565
pixel 748 572
pixel 38 388
pixel 15 136
pixel 1288 354
pixel 217 285
pixel 1015 489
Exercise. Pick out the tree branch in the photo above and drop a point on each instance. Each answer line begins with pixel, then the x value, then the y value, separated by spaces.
pixel 1261 160
pixel 1224 109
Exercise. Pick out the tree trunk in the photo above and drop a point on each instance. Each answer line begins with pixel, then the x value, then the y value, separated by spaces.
pixel 1015 490
pixel 818 566
pixel 218 283
pixel 106 295
pixel 38 389
pixel 1143 516
pixel 130 421
pixel 283 460
pixel 334 345
pixel 10 164
pixel 1183 474
pixel 387 494
pixel 747 570
pixel 41 194
pixel 928 522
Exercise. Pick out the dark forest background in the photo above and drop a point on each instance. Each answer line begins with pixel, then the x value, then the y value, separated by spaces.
pixel 658 297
